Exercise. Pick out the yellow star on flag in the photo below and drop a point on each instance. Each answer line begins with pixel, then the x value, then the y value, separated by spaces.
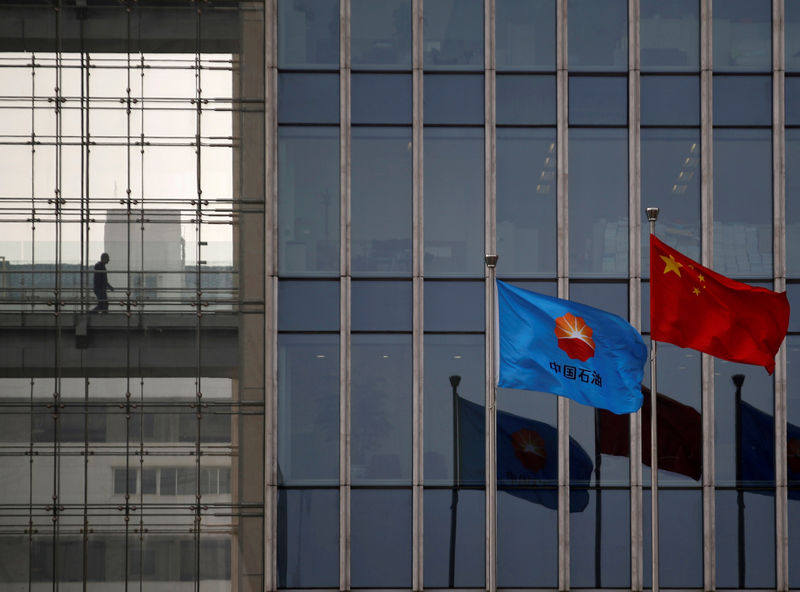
pixel 696 292
pixel 671 265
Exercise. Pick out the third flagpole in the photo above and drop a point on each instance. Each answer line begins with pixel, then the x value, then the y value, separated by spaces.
pixel 652 216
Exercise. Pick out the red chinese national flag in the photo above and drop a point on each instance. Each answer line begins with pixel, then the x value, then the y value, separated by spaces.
pixel 692 306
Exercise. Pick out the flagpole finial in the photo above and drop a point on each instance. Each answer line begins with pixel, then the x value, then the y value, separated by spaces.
pixel 491 260
pixel 652 214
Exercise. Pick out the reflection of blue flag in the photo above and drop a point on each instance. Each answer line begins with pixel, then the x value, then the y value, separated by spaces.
pixel 568 349
pixel 758 451
pixel 527 456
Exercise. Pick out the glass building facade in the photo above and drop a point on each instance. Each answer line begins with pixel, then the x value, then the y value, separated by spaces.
pixel 296 198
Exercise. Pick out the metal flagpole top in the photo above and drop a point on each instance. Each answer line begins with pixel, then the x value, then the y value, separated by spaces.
pixel 491 261
pixel 652 214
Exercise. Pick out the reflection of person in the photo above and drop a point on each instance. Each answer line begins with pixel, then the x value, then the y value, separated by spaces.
pixel 101 285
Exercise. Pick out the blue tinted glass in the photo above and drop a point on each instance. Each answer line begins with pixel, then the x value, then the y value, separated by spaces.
pixel 526 202
pixel 794 533
pixel 308 409
pixel 607 46
pixel 454 166
pixel 526 34
pixel 380 33
pixel 670 100
pixel 308 200
pixel 463 511
pixel 670 35
pixel 793 203
pixel 453 98
pixel 742 35
pixel 381 98
pixel 792 36
pixel 598 202
pixel 606 296
pixel 378 560
pixel 381 306
pixel 671 181
pixel 381 409
pixel 308 98
pixel 792 100
pixel 743 202
pixel 308 538
pixel 453 36
pixel 308 306
pixel 742 100
pixel 525 561
pixel 381 201
pixel 526 100
pixel 308 34
pixel 598 100
pixel 454 306
pixel 793 294
pixel 591 529
pixel 756 546
pixel 447 356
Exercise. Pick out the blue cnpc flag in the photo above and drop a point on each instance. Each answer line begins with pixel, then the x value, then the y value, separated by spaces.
pixel 568 349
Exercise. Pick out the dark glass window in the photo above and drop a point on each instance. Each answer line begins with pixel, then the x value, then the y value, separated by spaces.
pixel 308 34
pixel 598 100
pixel 308 98
pixel 453 99
pixel 526 34
pixel 792 100
pixel 611 297
pixel 743 100
pixel 380 33
pixel 792 21
pixel 793 203
pixel 670 100
pixel 526 99
pixel 381 306
pixel 742 35
pixel 453 36
pixel 381 98
pixel 149 480
pixel 454 306
pixel 308 305
pixel 757 546
pixel 670 35
pixel 607 47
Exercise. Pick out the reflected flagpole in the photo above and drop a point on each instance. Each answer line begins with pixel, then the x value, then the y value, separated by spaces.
pixel 652 216
pixel 455 380
pixel 738 381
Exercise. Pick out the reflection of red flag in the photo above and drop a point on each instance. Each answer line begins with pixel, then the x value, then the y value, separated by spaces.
pixel 680 435
pixel 692 306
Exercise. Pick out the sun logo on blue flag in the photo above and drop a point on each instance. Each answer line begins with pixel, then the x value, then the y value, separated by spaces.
pixel 574 337
pixel 530 449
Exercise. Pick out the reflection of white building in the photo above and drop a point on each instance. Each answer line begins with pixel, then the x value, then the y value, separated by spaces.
pixel 146 246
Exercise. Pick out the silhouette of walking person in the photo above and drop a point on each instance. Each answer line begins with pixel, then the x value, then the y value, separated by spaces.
pixel 101 285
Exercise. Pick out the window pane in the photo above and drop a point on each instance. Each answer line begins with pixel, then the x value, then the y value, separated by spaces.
pixel 742 100
pixel 381 98
pixel 308 306
pixel 308 409
pixel 308 98
pixel 792 36
pixel 454 306
pixel 670 35
pixel 308 200
pixel 598 201
pixel 523 560
pixel 453 36
pixel 308 34
pixel 793 202
pixel 454 202
pixel 743 202
pixel 381 306
pixel 381 201
pixel 670 100
pixel 756 547
pixel 380 33
pixel 453 99
pixel 526 100
pixel 742 35
pixel 526 201
pixel 603 524
pixel 381 409
pixel 611 297
pixel 526 34
pixel 379 560
pixel 792 100
pixel 607 47
pixel 598 100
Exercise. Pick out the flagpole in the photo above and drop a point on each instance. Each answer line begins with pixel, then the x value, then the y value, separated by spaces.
pixel 738 381
pixel 652 216
pixel 455 380
pixel 491 430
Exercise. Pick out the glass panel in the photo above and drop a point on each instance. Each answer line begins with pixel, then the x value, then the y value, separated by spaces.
pixel 792 36
pixel 742 35
pixel 379 560
pixel 745 560
pixel 605 296
pixel 381 98
pixel 526 201
pixel 670 100
pixel 600 540
pixel 381 409
pixel 524 560
pixel 794 533
pixel 526 100
pixel 607 47
pixel 454 306
pixel 380 33
pixel 308 409
pixel 447 356
pixel 453 99
pixel 454 207
pixel 308 98
pixel 454 538
pixel 793 294
pixel 742 100
pixel 308 34
pixel 598 212
pixel 743 202
pixel 308 306
pixel 381 208
pixel 526 34
pixel 670 35
pixel 587 431
pixel 598 100
pixel 671 180
pixel 308 200
pixel 308 538
pixel 793 202
pixel 792 100
pixel 453 37
pixel 381 306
